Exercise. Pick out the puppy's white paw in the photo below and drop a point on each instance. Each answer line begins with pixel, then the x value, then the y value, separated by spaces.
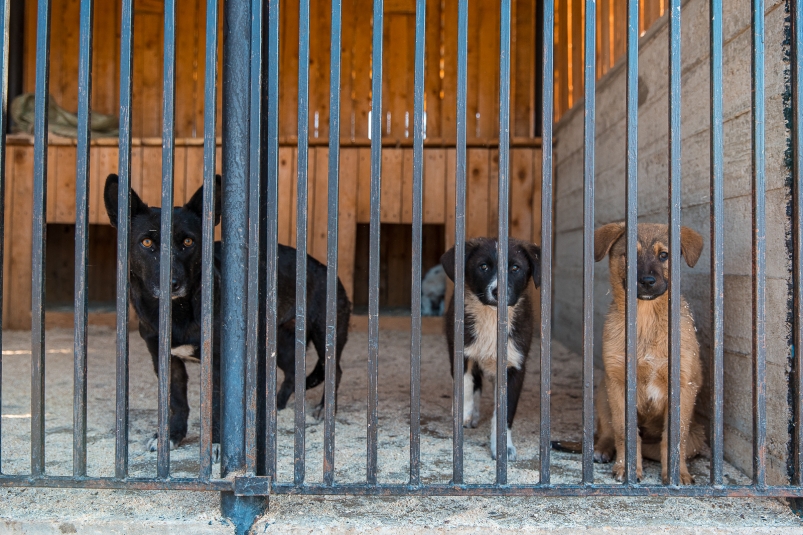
pixel 153 443
pixel 511 453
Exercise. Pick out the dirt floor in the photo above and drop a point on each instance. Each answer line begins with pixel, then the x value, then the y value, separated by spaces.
pixel 71 511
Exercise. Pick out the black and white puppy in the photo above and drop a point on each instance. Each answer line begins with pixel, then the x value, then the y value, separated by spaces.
pixel 524 262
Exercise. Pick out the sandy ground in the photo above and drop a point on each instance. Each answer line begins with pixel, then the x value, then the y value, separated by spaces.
pixel 68 511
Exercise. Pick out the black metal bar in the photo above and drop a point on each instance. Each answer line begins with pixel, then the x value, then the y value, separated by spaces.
pixel 81 235
pixel 502 325
pixel 589 143
pixel 759 251
pixel 673 420
pixel 39 238
pixel 460 242
pixel 5 30
pixel 797 229
pixel 373 268
pixel 254 245
pixel 166 233
pixel 330 364
pixel 301 240
pixel 546 235
pixel 123 228
pixel 208 238
pixel 272 202
pixel 717 251
pixel 540 490
pixel 631 425
pixel 418 199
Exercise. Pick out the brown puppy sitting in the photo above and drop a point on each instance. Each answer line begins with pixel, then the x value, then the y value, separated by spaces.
pixel 652 374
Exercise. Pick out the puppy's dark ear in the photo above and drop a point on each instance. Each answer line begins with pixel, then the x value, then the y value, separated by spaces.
pixel 447 261
pixel 196 202
pixel 691 245
pixel 534 256
pixel 605 237
pixel 110 200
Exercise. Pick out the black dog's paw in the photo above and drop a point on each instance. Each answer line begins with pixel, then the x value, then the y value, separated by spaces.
pixel 153 443
pixel 318 412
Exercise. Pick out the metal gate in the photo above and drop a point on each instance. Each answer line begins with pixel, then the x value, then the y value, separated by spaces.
pixel 249 283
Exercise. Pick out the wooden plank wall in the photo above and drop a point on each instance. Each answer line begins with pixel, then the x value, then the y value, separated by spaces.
pixel 399 35
pixel 611 42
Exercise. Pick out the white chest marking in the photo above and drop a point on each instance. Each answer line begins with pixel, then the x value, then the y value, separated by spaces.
pixel 185 352
pixel 483 349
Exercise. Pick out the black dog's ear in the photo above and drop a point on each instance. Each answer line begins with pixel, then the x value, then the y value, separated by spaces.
pixel 691 245
pixel 447 261
pixel 605 237
pixel 533 253
pixel 196 202
pixel 110 200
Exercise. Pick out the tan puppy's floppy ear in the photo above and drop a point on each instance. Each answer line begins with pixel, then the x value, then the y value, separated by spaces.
pixel 691 245
pixel 605 237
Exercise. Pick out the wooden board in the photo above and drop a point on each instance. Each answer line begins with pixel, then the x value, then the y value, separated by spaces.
pixel 391 187
pixel 347 218
pixel 434 186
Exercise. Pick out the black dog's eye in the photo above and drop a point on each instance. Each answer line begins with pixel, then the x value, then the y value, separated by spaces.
pixel 188 242
pixel 147 242
pixel 484 266
pixel 663 255
pixel 514 268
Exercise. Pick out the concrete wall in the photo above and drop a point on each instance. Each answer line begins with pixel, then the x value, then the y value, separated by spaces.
pixel 653 203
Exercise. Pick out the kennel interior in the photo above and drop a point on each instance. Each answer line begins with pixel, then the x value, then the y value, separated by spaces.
pixel 748 172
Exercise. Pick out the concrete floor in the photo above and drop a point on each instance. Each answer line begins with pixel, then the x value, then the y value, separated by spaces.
pixel 74 511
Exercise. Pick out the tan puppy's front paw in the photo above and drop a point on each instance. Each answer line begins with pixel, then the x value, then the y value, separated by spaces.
pixel 685 478
pixel 618 472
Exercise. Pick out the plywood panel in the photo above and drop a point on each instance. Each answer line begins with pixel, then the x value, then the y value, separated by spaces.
pixel 364 186
pixel 361 70
pixel 486 126
pixel 18 283
pixel 521 193
pixel 434 186
pixel 320 35
pixel 287 196
pixel 151 191
pixel 407 186
pixel 451 155
pixel 347 218
pixel 65 185
pixel 391 191
pixel 477 193
pixel 319 211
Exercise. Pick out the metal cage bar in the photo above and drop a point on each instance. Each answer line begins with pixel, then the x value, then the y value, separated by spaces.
pixel 459 243
pixel 82 236
pixel 5 23
pixel 546 232
pixel 123 229
pixel 717 244
pixel 759 249
pixel 166 242
pixel 208 236
pixel 631 423
pixel 418 201
pixel 589 146
pixel 330 364
pixel 301 240
pixel 502 245
pixel 373 268
pixel 675 300
pixel 797 229
pixel 39 239
pixel 254 243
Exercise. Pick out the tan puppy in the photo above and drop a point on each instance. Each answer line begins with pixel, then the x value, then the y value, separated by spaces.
pixel 652 374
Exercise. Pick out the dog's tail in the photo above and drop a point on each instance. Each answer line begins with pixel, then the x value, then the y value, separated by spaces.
pixel 696 444
pixel 567 446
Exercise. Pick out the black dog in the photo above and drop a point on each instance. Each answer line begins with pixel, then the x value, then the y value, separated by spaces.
pixel 480 323
pixel 186 302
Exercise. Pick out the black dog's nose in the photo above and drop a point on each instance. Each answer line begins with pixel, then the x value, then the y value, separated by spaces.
pixel 647 280
pixel 176 285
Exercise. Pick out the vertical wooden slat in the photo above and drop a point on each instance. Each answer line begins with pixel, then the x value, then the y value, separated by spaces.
pixel 433 85
pixel 391 193
pixel 320 31
pixel 449 44
pixel 434 186
pixel 361 74
pixel 477 193
pixel 65 185
pixel 8 291
pixel 20 277
pixel 347 218
pixel 521 194
pixel 487 74
pixel 318 220
pixel 407 186
pixel 189 87
pixel 451 163
pixel 364 185
pixel 286 194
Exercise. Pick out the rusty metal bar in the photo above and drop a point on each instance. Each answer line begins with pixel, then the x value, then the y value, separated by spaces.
pixel 373 269
pixel 5 26
pixel 589 131
pixel 166 233
pixel 39 239
pixel 459 243
pixel 418 201
pixel 330 365
pixel 717 244
pixel 759 250
pixel 123 229
pixel 631 423
pixel 546 235
pixel 81 233
pixel 207 239
pixel 673 420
